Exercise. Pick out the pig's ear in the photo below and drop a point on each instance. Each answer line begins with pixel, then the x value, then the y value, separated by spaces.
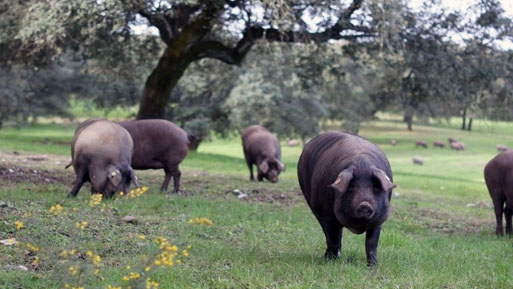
pixel 281 166
pixel 343 180
pixel 386 183
pixel 115 177
pixel 264 166
pixel 133 178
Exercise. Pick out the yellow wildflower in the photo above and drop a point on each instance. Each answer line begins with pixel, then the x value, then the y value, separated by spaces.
pixel 142 237
pixel 56 210
pixel 185 253
pixel 150 284
pixel 36 261
pixel 113 287
pixel 147 269
pixel 18 225
pixel 81 225
pixel 201 221
pixel 73 270
pixel 31 247
pixel 96 272
pixel 96 199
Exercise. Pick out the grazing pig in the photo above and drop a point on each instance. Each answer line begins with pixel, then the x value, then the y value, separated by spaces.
pixel 101 152
pixel 292 142
pixel 502 148
pixel 262 148
pixel 417 160
pixel 451 139
pixel 347 182
pixel 421 143
pixel 457 145
pixel 439 144
pixel 498 179
pixel 158 144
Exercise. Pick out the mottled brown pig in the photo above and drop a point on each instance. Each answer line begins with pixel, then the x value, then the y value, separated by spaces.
pixel 101 152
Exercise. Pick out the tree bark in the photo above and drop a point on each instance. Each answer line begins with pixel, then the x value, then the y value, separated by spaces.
pixel 194 143
pixel 464 119
pixel 160 84
pixel 469 127
pixel 409 121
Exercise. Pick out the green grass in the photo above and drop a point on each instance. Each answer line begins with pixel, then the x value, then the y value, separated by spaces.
pixel 439 234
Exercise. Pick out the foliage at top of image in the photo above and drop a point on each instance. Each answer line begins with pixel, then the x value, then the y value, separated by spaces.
pixel 293 66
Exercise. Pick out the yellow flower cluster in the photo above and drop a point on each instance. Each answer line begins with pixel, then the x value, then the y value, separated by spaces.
pixel 142 237
pixel 132 275
pixel 81 225
pixel 73 270
pixel 56 210
pixel 31 247
pixel 95 258
pixel 113 287
pixel 18 225
pixel 137 192
pixel 66 285
pixel 96 199
pixel 150 284
pixel 201 221
pixel 66 253
pixel 167 253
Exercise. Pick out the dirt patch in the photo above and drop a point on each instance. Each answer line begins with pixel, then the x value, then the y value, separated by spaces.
pixel 15 174
pixel 264 195
pixel 445 222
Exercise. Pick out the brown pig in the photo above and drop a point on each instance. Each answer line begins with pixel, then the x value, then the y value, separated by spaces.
pixel 347 182
pixel 262 148
pixel 439 144
pixel 457 145
pixel 101 152
pixel 498 177
pixel 421 143
pixel 502 148
pixel 158 144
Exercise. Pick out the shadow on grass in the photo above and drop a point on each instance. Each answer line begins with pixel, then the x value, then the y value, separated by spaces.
pixel 404 174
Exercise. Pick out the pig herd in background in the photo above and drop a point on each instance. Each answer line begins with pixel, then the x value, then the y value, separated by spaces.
pixel 346 180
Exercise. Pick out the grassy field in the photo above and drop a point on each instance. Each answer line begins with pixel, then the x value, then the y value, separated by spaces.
pixel 439 234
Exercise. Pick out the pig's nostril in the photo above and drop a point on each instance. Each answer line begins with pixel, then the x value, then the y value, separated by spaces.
pixel 364 211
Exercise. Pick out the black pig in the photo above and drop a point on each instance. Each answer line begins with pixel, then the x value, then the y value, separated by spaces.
pixel 262 148
pixel 498 176
pixel 347 182
pixel 158 144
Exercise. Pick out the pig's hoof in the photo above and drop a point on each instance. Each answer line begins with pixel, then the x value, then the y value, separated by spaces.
pixel 330 255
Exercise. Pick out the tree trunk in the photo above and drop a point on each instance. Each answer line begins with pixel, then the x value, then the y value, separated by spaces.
pixel 194 143
pixel 160 84
pixel 464 119
pixel 469 127
pixel 409 119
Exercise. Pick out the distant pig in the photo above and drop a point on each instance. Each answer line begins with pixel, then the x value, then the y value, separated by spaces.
pixel 347 182
pixel 502 148
pixel 439 144
pixel 393 142
pixel 497 174
pixel 262 148
pixel 421 143
pixel 158 144
pixel 451 139
pixel 101 152
pixel 417 160
pixel 292 142
pixel 457 145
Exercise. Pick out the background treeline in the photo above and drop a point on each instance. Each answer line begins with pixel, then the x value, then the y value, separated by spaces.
pixel 421 63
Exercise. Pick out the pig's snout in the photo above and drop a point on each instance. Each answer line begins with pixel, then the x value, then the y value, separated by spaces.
pixel 364 210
